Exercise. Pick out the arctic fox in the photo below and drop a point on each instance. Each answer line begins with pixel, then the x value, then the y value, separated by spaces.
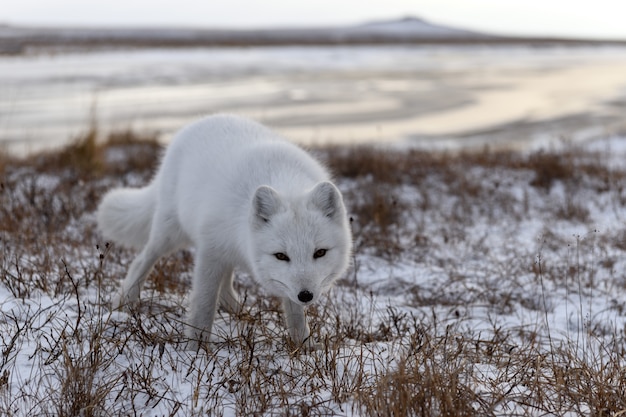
pixel 243 197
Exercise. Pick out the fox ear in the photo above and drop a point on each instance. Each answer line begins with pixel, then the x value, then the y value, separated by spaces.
pixel 266 203
pixel 327 198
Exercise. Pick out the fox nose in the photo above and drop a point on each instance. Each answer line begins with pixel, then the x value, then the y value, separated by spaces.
pixel 305 296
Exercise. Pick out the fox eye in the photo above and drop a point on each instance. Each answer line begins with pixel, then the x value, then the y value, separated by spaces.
pixel 281 256
pixel 319 253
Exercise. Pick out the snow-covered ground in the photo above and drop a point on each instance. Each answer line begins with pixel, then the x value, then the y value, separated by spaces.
pixel 431 96
pixel 487 284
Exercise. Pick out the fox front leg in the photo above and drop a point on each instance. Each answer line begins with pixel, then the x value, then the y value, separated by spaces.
pixel 296 322
pixel 207 281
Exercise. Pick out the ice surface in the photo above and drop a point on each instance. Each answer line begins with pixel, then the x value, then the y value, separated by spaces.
pixel 429 96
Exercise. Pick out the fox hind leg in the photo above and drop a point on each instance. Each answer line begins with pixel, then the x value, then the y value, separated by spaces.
pixel 229 300
pixel 164 237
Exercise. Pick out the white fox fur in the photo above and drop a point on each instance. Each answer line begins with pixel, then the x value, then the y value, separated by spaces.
pixel 243 197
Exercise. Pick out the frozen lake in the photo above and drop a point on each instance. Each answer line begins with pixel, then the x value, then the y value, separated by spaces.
pixel 431 96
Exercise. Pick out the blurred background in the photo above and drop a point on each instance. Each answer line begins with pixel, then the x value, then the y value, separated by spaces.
pixel 445 74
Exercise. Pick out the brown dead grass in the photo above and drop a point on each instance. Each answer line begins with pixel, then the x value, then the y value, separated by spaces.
pixel 373 363
pixel 89 156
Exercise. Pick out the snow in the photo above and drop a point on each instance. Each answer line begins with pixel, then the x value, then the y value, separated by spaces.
pixel 432 96
pixel 506 273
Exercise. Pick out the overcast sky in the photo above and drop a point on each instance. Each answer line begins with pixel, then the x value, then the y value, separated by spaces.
pixel 573 18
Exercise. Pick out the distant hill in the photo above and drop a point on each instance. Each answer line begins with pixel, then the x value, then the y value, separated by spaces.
pixel 408 29
pixel 411 30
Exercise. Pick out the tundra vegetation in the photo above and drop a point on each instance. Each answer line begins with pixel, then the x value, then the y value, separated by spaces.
pixel 482 283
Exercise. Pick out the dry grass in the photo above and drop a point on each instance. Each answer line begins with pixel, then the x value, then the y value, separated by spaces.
pixel 436 340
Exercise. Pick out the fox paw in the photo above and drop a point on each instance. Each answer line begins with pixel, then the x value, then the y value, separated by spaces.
pixel 196 341
pixel 308 345
pixel 121 300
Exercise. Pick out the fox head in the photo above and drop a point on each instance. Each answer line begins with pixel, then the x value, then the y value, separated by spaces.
pixel 301 244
